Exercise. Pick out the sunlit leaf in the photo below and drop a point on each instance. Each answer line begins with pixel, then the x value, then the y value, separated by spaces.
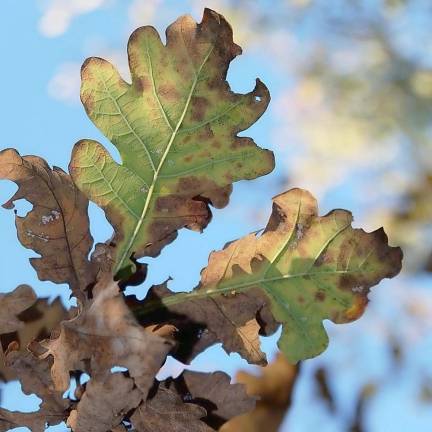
pixel 106 335
pixel 301 270
pixel 57 227
pixel 104 404
pixel 176 130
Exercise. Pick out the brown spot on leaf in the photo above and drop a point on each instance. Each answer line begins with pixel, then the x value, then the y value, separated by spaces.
pixel 142 83
pixel 240 142
pixel 205 133
pixel 205 155
pixel 199 108
pixel 189 213
pixel 190 185
pixel 320 296
pixel 169 92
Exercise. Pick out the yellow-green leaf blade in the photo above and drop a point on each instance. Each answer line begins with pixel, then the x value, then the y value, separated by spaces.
pixel 301 270
pixel 175 127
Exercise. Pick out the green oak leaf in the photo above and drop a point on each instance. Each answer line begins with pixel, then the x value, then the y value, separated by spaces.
pixel 175 127
pixel 301 270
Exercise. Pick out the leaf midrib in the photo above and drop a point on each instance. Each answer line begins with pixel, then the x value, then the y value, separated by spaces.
pixel 126 252
pixel 178 298
pixel 69 247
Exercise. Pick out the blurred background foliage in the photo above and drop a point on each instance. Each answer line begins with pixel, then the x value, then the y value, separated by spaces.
pixel 350 120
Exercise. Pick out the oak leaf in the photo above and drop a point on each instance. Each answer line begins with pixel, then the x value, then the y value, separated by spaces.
pixel 10 420
pixel 13 304
pixel 35 377
pixel 57 227
pixel 194 401
pixel 104 334
pixel 166 411
pixel 214 392
pixel 38 321
pixel 175 127
pixel 301 270
pixel 104 404
pixel 201 324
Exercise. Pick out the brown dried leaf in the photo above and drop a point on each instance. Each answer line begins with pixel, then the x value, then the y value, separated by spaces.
pixel 274 389
pixel 35 421
pixel 166 411
pixel 12 304
pixel 202 323
pixel 104 335
pixel 249 334
pixel 119 428
pixel 38 322
pixel 165 330
pixel 34 375
pixel 57 227
pixel 104 404
pixel 214 392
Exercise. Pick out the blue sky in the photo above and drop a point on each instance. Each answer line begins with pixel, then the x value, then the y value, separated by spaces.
pixel 40 114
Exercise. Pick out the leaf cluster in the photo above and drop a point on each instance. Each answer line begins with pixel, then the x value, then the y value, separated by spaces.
pixel 176 128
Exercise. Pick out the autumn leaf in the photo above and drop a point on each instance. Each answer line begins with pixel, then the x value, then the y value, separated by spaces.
pixel 166 411
pixel 274 388
pixel 35 378
pixel 301 270
pixel 176 130
pixel 37 323
pixel 57 227
pixel 104 404
pixel 104 334
pixel 10 420
pixel 214 392
pixel 12 304
pixel 201 324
